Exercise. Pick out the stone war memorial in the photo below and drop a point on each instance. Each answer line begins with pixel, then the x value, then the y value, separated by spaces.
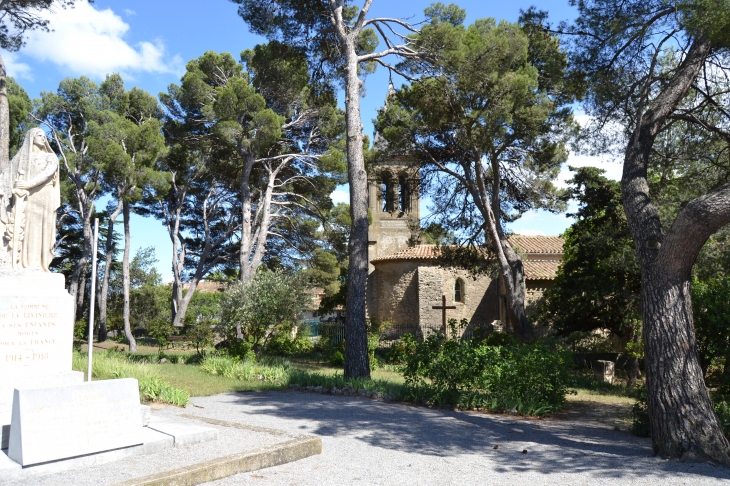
pixel 47 411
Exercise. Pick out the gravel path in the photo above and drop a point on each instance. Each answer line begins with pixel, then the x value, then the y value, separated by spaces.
pixel 371 442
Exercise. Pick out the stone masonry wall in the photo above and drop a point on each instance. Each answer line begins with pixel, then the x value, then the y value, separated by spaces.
pixel 397 294
pixel 479 304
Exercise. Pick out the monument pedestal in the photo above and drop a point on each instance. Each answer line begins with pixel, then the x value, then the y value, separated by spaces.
pixel 36 336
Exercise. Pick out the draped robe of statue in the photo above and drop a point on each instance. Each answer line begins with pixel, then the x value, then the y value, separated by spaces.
pixel 33 176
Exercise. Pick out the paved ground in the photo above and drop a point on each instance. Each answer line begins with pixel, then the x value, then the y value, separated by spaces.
pixel 371 442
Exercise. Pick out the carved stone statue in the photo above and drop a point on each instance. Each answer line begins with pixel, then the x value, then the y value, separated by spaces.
pixel 31 194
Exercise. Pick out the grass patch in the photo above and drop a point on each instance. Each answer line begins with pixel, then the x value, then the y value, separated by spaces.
pixel 305 378
pixel 274 371
pixel 152 387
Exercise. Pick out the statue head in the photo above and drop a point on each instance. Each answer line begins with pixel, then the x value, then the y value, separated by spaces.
pixel 35 137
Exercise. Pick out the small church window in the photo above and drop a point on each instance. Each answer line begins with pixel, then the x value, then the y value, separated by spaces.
pixel 458 291
pixel 404 195
pixel 388 193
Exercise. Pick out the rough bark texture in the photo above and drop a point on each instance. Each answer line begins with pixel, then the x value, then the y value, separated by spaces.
pixel 125 280
pixel 513 273
pixel 683 423
pixel 104 293
pixel 356 345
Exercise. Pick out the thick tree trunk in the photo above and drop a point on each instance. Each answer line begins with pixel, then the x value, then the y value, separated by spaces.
pixel 683 423
pixel 515 276
pixel 356 342
pixel 104 293
pixel 125 280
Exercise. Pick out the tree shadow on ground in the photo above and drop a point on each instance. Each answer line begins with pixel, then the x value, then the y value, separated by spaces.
pixel 553 446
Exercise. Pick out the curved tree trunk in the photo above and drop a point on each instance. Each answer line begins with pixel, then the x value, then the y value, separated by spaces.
pixel 683 423
pixel 125 281
pixel 514 275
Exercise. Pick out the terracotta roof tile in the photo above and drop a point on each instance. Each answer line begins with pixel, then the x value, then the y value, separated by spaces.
pixel 541 269
pixel 538 244
pixel 532 245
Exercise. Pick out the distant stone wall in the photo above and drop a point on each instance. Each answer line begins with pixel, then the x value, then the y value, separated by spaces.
pixel 397 294
pixel 535 295
pixel 480 298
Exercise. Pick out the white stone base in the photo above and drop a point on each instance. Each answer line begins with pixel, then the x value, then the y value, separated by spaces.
pixel 177 434
pixel 53 423
pixel 8 384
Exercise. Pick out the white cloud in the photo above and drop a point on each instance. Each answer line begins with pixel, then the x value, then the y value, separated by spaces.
pixel 129 12
pixel 91 42
pixel 341 194
pixel 530 232
pixel 15 68
pixel 612 168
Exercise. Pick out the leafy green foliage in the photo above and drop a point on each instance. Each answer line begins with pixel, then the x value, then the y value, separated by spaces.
pixel 20 107
pixel 531 379
pixel 160 330
pixel 497 100
pixel 598 284
pixel 712 322
pixel 286 345
pixel 270 304
pixel 201 335
pixel 402 349
pixel 307 24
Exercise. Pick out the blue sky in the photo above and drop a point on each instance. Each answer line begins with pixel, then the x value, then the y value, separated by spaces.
pixel 149 43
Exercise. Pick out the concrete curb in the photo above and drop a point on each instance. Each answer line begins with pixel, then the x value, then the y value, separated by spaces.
pixel 203 472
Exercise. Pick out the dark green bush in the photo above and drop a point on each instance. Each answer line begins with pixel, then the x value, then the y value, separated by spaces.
pixel 161 330
pixel 722 409
pixel 201 335
pixel 337 358
pixel 402 349
pixel 530 379
pixel 285 345
pixel 241 349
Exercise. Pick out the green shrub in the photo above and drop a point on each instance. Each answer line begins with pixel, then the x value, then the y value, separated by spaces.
pixel 722 409
pixel 201 335
pixel 81 330
pixel 402 349
pixel 284 345
pixel 270 305
pixel 241 350
pixel 337 358
pixel 531 379
pixel 160 330
pixel 269 372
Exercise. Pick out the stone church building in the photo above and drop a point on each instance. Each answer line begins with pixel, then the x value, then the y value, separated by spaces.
pixel 404 280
